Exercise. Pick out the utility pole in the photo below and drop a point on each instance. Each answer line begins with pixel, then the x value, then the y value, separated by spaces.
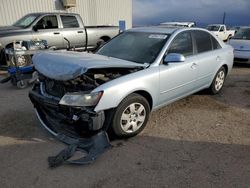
pixel 224 18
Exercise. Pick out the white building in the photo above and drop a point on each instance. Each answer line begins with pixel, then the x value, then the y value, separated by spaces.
pixel 93 12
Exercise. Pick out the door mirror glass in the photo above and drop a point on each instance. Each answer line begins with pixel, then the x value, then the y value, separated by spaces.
pixel 173 58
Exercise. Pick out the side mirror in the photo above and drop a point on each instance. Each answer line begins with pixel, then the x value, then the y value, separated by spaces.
pixel 35 28
pixel 173 58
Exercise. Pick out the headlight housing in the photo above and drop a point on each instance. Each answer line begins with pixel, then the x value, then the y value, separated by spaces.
pixel 81 99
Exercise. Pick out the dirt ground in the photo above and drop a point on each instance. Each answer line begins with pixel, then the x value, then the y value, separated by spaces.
pixel 200 141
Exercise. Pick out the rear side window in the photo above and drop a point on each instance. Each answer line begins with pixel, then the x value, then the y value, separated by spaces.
pixel 69 21
pixel 215 43
pixel 203 41
pixel 182 44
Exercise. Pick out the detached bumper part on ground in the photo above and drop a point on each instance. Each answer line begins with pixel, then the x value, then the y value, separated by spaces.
pixel 69 125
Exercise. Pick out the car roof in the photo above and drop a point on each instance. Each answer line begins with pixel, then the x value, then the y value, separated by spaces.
pixel 215 24
pixel 165 29
pixel 155 29
pixel 51 13
pixel 245 27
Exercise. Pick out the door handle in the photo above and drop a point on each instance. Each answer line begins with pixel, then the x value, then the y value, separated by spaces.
pixel 79 31
pixel 193 66
pixel 56 33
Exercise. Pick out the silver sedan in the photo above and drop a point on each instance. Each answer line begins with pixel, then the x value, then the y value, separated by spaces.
pixel 139 71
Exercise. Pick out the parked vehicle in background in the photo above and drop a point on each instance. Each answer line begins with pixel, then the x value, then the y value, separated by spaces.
pixel 138 71
pixel 54 27
pixel 235 28
pixel 241 44
pixel 179 24
pixel 221 31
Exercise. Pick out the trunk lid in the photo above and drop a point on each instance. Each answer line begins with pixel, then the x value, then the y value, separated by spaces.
pixel 242 45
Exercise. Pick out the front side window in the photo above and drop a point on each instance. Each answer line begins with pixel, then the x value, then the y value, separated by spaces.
pixel 69 22
pixel 182 44
pixel 47 22
pixel 222 28
pixel 203 41
pixel 137 47
pixel 213 28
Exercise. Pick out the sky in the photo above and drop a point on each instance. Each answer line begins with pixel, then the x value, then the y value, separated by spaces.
pixel 203 12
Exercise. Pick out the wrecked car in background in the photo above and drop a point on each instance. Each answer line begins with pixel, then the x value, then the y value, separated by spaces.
pixel 140 70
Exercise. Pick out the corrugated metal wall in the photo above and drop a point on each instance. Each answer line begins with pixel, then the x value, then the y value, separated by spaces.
pixel 93 12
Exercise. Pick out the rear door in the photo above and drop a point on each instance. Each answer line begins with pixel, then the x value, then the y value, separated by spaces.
pixel 178 79
pixel 47 29
pixel 208 56
pixel 73 31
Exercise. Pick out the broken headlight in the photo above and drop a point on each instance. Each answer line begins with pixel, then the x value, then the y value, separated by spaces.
pixel 81 99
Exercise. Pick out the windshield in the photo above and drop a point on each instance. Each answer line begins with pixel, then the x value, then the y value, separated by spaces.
pixel 213 28
pixel 26 21
pixel 243 34
pixel 135 46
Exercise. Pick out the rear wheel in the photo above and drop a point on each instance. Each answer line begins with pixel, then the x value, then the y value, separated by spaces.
pixel 131 116
pixel 218 81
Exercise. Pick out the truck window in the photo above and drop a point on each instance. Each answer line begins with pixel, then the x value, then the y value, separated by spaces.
pixel 182 44
pixel 47 22
pixel 222 29
pixel 69 21
pixel 203 41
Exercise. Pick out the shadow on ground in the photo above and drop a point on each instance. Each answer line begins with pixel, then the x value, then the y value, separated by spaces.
pixel 139 162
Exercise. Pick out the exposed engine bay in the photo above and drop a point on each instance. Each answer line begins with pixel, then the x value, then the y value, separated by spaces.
pixel 84 83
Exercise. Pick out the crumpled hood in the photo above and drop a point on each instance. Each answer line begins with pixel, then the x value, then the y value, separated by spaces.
pixel 64 65
pixel 240 44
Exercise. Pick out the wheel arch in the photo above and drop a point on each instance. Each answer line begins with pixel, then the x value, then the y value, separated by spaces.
pixel 146 95
pixel 226 68
pixel 105 38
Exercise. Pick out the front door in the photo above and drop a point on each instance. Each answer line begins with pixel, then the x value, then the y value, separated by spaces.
pixel 47 29
pixel 177 79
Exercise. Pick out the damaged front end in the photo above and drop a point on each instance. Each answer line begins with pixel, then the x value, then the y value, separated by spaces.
pixel 65 103
pixel 67 107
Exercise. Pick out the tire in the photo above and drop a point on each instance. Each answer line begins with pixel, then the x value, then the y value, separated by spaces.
pixel 22 84
pixel 218 81
pixel 229 37
pixel 131 116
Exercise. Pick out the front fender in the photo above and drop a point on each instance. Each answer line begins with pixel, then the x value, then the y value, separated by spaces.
pixel 116 90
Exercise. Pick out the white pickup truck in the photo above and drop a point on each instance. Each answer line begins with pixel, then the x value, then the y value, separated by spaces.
pixel 221 31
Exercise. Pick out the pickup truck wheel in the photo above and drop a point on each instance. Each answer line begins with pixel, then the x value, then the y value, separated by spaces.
pixel 131 116
pixel 218 81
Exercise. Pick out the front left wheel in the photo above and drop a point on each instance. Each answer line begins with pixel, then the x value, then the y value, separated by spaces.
pixel 131 116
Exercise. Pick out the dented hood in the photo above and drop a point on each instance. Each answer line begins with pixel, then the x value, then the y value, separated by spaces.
pixel 65 65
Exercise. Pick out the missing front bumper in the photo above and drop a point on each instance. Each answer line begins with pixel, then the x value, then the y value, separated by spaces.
pixel 59 119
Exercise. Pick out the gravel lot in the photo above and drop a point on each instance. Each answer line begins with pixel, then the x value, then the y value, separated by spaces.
pixel 200 141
